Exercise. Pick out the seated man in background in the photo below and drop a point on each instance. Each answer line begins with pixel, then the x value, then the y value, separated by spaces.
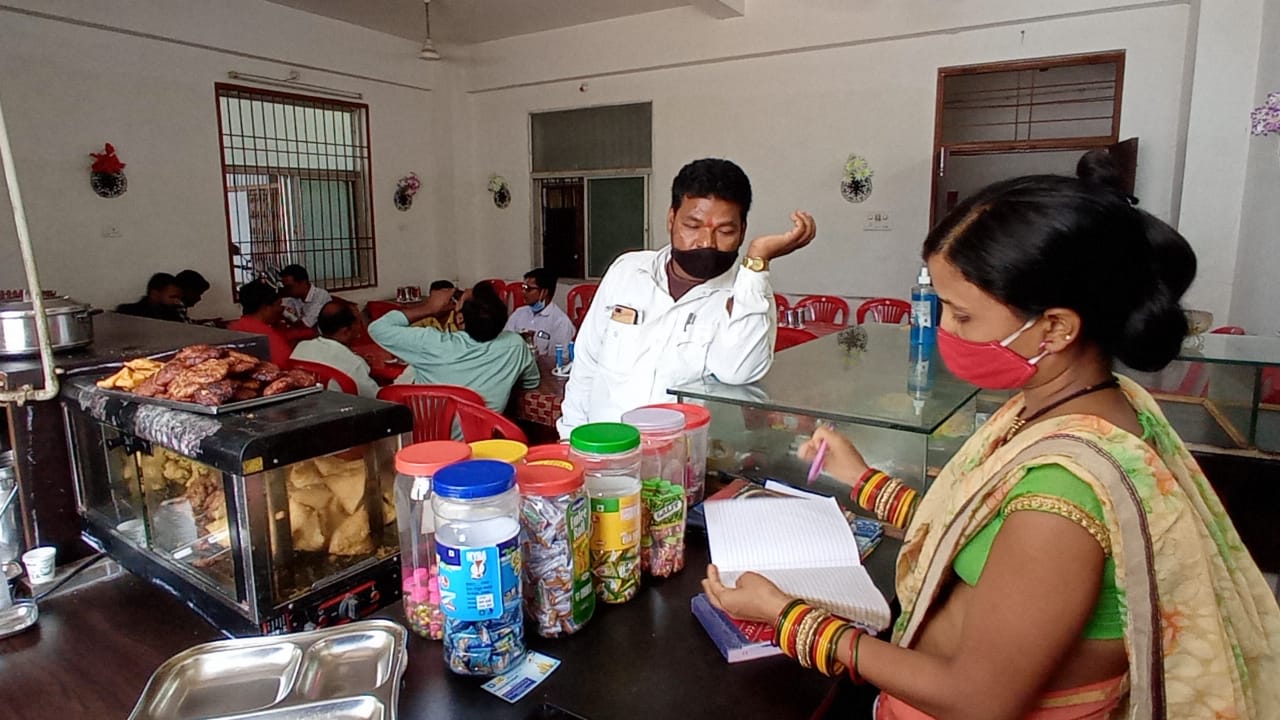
pixel 539 317
pixel 447 319
pixel 302 300
pixel 194 286
pixel 262 310
pixel 163 300
pixel 481 356
pixel 338 326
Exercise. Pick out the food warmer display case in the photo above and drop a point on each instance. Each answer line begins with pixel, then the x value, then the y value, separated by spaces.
pixel 898 403
pixel 268 520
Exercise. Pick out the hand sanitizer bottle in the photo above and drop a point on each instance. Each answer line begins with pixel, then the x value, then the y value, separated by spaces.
pixel 924 310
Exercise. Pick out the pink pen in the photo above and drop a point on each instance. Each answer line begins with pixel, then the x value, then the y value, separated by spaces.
pixel 818 459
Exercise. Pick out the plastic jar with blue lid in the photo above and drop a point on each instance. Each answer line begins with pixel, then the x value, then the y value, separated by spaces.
pixel 477 508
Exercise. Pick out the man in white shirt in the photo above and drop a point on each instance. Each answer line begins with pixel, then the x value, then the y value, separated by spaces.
pixel 683 313
pixel 302 300
pixel 539 317
pixel 338 327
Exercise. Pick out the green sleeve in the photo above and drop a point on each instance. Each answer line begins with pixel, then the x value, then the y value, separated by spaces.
pixel 1058 481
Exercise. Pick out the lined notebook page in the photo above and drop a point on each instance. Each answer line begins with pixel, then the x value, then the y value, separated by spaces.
pixel 804 546
pixel 768 533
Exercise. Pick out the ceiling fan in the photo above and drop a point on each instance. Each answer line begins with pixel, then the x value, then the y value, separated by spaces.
pixel 428 51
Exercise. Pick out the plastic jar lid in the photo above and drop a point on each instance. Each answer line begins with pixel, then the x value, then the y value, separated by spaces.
pixel 654 420
pixel 425 458
pixel 604 438
pixel 508 451
pixel 549 478
pixel 557 451
pixel 695 416
pixel 474 479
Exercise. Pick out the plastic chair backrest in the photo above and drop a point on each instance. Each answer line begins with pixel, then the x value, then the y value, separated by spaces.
pixel 578 301
pixel 1229 330
pixel 884 310
pixel 480 423
pixel 433 406
pixel 790 337
pixel 327 375
pixel 782 302
pixel 515 295
pixel 826 308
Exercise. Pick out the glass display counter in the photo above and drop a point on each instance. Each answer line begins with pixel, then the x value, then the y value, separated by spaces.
pixel 905 412
pixel 1226 392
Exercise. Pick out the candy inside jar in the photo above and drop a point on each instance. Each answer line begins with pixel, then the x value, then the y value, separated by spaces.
pixel 478 545
pixel 609 454
pixel 415 467
pixel 555 532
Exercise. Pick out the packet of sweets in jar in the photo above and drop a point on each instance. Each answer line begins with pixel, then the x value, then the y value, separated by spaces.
pixel 662 541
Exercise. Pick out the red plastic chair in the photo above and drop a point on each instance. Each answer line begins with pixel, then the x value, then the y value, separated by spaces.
pixel 782 302
pixel 432 405
pixel 578 301
pixel 378 308
pixel 515 295
pixel 884 310
pixel 327 375
pixel 826 308
pixel 791 337
pixel 1229 330
pixel 480 423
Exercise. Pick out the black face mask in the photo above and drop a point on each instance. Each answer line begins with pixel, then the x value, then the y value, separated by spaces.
pixel 704 263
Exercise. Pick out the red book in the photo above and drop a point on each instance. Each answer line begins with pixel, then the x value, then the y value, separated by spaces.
pixel 737 640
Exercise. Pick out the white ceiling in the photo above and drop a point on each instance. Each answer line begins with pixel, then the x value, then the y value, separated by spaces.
pixel 462 22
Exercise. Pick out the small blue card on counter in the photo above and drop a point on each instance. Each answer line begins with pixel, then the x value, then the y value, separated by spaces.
pixel 520 681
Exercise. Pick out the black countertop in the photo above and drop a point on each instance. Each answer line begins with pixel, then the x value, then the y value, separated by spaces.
pixel 117 338
pixel 94 649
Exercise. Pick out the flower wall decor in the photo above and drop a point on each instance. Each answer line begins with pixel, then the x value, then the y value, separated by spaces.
pixel 856 184
pixel 106 175
pixel 501 191
pixel 406 188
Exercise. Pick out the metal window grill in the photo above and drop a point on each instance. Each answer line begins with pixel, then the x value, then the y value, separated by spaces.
pixel 295 170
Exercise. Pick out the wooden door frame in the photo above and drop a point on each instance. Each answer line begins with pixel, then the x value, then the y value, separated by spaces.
pixel 1012 146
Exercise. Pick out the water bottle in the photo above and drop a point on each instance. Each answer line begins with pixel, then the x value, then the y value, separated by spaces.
pixel 924 310
pixel 559 356
pixel 920 375
pixel 570 352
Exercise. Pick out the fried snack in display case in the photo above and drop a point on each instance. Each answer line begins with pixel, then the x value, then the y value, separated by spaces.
pixel 271 520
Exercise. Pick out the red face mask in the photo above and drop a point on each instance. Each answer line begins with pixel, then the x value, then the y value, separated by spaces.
pixel 989 365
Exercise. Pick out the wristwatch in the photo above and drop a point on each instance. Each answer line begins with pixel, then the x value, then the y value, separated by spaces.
pixel 755 264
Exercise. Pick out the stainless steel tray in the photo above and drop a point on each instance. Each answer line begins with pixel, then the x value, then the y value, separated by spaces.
pixel 348 672
pixel 211 409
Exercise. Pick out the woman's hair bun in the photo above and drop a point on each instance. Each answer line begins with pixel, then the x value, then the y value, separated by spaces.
pixel 1099 168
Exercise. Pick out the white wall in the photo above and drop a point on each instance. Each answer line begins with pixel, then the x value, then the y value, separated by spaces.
pixel 1256 301
pixel 1217 146
pixel 67 88
pixel 788 91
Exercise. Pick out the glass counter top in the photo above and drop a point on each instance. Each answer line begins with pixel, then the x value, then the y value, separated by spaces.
pixel 884 385
pixel 1260 350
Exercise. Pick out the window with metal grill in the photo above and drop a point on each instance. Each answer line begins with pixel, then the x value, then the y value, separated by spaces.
pixel 296 174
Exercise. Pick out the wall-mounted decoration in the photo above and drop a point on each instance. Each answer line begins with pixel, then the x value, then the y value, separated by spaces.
pixel 1265 120
pixel 406 188
pixel 501 191
pixel 856 184
pixel 106 176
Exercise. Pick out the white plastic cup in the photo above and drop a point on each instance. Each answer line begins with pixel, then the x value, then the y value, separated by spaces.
pixel 39 564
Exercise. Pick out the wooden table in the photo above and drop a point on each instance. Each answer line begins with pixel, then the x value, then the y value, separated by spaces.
pixel 93 650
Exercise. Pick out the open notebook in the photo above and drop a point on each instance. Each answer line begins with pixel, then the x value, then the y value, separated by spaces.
pixel 804 546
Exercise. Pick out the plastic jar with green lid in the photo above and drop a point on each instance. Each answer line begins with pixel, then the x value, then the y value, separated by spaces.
pixel 609 454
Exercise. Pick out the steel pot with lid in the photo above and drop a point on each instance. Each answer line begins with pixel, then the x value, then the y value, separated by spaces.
pixel 70 326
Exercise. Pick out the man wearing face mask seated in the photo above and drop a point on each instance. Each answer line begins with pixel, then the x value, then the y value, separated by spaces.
pixel 685 312
pixel 539 318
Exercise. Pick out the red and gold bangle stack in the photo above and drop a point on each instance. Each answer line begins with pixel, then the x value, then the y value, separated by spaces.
pixel 812 636
pixel 890 499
